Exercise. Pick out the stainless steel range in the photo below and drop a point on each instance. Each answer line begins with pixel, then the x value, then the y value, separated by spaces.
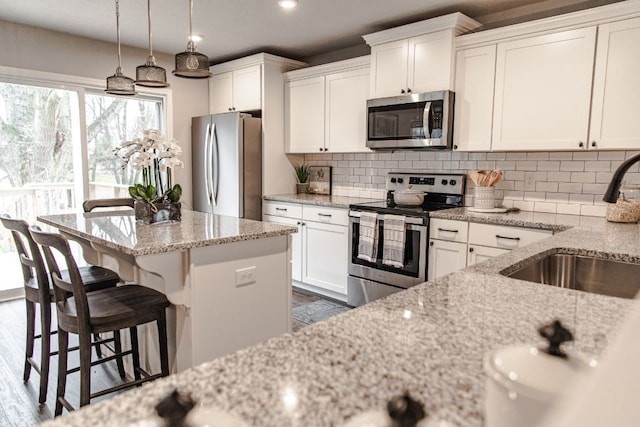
pixel 372 275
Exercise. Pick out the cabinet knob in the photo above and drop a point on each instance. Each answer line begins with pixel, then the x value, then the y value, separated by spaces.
pixel 321 149
pixel 326 149
pixel 581 144
pixel 298 223
pixel 470 249
pixel 455 147
pixel 593 144
pixel 431 243
pixel 401 90
pixel 408 90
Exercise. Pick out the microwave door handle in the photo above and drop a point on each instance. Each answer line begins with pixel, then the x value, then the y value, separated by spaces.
pixel 425 120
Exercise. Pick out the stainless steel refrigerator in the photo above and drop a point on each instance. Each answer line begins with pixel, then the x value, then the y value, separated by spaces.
pixel 226 154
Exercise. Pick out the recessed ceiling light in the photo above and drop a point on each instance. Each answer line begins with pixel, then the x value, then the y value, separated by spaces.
pixel 288 4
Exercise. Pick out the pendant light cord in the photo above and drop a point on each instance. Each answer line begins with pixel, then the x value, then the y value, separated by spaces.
pixel 191 43
pixel 118 31
pixel 149 15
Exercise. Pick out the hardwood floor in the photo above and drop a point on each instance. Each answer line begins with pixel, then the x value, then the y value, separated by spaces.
pixel 19 401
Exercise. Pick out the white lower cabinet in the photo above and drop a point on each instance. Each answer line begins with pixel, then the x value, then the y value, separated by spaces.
pixel 455 245
pixel 446 257
pixel 478 253
pixel 320 248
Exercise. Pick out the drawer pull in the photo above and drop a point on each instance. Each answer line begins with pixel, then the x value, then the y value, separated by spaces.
pixel 508 238
pixel 448 231
pixel 326 215
pixel 281 209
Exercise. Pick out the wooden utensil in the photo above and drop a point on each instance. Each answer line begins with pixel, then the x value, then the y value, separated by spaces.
pixel 495 176
pixel 473 175
pixel 482 178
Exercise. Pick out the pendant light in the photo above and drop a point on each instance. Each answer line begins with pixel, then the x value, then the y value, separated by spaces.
pixel 150 74
pixel 119 84
pixel 190 63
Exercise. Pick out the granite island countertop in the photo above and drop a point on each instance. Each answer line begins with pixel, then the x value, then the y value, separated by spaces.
pixel 119 230
pixel 429 340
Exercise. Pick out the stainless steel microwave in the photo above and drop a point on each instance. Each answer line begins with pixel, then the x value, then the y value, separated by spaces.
pixel 415 121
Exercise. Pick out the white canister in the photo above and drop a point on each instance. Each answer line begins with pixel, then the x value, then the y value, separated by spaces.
pixel 523 383
pixel 484 197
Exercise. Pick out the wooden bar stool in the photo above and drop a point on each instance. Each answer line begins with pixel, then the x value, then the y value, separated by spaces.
pixel 38 291
pixel 106 310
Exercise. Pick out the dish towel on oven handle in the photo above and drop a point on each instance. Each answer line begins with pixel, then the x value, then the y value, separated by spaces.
pixel 393 240
pixel 368 239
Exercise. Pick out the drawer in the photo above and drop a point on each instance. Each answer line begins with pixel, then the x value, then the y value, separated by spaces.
pixel 500 236
pixel 325 214
pixel 447 229
pixel 287 210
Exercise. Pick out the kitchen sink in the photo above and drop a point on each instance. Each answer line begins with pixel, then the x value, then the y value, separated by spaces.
pixel 585 273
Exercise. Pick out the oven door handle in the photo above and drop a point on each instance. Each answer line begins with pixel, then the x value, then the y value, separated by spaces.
pixel 412 223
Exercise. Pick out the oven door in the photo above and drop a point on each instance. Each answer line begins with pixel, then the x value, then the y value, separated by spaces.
pixel 414 270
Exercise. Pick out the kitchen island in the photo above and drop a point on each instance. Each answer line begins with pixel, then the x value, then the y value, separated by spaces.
pixel 429 340
pixel 228 279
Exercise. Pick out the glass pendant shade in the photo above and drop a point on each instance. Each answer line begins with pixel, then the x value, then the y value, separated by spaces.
pixel 190 63
pixel 119 84
pixel 150 74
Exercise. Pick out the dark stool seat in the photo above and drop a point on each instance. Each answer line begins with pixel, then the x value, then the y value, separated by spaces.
pixel 106 310
pixel 39 292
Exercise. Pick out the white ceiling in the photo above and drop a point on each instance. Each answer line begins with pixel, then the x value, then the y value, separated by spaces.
pixel 233 28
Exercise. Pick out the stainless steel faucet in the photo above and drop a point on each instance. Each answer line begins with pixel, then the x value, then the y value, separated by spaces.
pixel 612 193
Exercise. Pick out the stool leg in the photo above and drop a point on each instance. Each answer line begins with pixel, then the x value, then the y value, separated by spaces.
pixel 133 331
pixel 162 340
pixel 63 346
pixel 117 346
pixel 96 337
pixel 45 348
pixel 31 314
pixel 85 367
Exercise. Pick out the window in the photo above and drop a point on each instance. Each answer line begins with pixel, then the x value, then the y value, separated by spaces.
pixel 57 149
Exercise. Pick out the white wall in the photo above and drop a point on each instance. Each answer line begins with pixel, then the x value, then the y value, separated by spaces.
pixel 556 182
pixel 43 50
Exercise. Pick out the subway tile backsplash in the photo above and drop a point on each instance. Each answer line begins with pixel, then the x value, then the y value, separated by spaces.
pixel 555 182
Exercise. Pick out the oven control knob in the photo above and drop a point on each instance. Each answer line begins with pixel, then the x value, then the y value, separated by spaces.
pixel 452 182
pixel 400 180
pixel 444 182
pixel 393 180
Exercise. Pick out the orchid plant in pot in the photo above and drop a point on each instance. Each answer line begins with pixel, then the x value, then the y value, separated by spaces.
pixel 154 157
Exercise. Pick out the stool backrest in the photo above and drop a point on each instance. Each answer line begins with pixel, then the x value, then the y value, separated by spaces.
pixel 29 255
pixel 62 289
pixel 91 204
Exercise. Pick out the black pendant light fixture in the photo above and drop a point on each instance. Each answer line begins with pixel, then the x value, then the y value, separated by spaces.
pixel 190 63
pixel 119 84
pixel 150 74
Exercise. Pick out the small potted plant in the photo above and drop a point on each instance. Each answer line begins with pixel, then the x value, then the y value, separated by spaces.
pixel 302 176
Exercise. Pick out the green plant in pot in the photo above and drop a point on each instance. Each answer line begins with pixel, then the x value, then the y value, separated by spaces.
pixel 153 157
pixel 302 176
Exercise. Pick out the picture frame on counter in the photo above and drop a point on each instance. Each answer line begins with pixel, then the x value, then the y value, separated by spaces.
pixel 320 180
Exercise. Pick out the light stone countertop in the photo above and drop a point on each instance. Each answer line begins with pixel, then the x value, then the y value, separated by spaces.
pixel 318 199
pixel 429 340
pixel 119 230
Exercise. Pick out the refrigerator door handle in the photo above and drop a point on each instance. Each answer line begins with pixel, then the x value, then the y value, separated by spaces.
pixel 216 173
pixel 207 164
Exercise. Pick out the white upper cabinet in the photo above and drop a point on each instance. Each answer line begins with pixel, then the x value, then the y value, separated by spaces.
pixel 389 68
pixel 543 91
pixel 418 64
pixel 237 90
pixel 325 107
pixel 346 111
pixel 416 57
pixel 304 115
pixel 474 87
pixel 615 114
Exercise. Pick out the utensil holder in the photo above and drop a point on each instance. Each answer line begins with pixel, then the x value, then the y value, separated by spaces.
pixel 484 197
